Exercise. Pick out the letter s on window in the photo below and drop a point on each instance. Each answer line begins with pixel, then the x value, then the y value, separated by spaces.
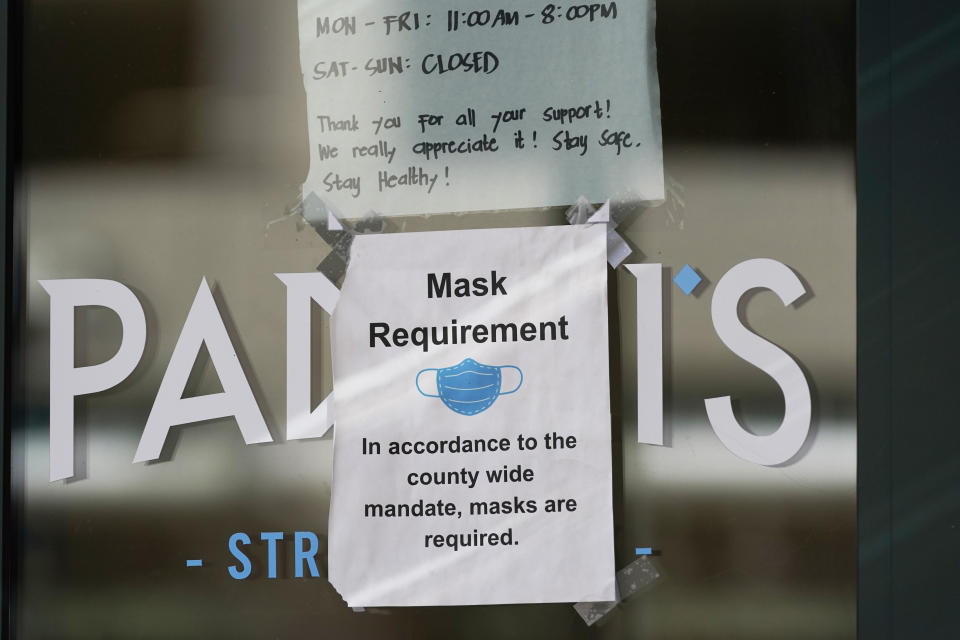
pixel 786 442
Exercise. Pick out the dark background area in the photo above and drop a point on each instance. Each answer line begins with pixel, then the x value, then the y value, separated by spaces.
pixel 909 444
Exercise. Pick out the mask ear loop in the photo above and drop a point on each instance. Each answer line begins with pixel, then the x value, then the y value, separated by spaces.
pixel 429 395
pixel 519 384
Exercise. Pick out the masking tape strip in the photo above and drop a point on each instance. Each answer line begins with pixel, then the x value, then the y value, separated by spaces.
pixel 637 575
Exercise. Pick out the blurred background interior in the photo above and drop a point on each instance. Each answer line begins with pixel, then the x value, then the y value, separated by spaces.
pixel 161 139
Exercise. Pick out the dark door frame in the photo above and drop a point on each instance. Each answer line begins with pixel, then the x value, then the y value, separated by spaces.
pixel 10 82
pixel 908 156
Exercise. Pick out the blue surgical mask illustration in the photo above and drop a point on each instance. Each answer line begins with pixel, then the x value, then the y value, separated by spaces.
pixel 469 388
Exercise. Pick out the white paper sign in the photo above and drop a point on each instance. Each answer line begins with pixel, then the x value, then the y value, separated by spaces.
pixel 472 447
pixel 425 107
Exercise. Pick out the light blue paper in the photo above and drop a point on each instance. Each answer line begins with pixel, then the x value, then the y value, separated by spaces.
pixel 595 59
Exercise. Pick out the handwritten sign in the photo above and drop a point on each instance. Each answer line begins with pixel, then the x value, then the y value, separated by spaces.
pixel 426 107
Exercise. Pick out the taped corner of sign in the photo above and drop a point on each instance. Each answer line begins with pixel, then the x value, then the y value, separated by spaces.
pixel 582 212
pixel 333 222
pixel 328 223
pixel 617 249
pixel 310 223
pixel 636 576
pixel 338 234
pixel 334 268
pixel 602 215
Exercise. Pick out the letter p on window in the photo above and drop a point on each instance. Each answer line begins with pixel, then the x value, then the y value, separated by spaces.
pixel 67 381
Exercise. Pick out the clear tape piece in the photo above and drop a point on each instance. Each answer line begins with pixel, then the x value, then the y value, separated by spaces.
pixel 617 249
pixel 334 268
pixel 317 215
pixel 637 575
pixel 338 234
pixel 634 577
pixel 373 222
pixel 602 215
pixel 582 212
pixel 592 612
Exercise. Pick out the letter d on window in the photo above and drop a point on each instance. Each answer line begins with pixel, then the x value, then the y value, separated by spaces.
pixel 68 381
